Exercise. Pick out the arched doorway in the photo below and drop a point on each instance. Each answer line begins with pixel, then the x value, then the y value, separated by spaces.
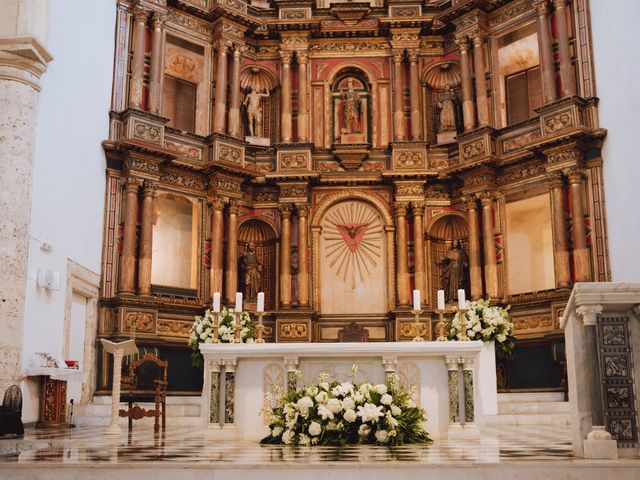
pixel 261 236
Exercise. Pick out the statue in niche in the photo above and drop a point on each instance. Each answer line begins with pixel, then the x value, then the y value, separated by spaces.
pixel 351 109
pixel 251 270
pixel 455 264
pixel 447 107
pixel 253 104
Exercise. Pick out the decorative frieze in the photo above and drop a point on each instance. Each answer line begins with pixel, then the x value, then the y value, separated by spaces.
pixel 229 153
pixel 295 14
pixel 293 191
pixel 140 321
pixel 407 158
pixel 294 160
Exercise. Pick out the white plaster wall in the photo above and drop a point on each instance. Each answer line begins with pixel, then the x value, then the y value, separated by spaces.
pixel 69 179
pixel 616 44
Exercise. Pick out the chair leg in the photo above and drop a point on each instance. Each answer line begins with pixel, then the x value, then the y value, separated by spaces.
pixel 164 414
pixel 130 417
pixel 156 423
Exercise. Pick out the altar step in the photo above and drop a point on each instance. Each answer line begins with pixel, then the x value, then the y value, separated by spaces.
pixel 540 408
pixel 181 412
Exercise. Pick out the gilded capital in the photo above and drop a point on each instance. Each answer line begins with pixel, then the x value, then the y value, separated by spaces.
pixel 217 203
pixel 418 208
pixel 400 209
pixel 159 20
pixel 560 3
pixel 478 38
pixel 285 57
pixel 303 209
pixel 542 6
pixel 413 56
pixel 222 46
pixel 140 15
pixel 398 56
pixel 285 211
pixel 132 184
pixel 302 57
pixel 233 207
pixel 469 203
pixel 149 188
pixel 555 180
pixel 463 43
pixel 575 175
pixel 486 198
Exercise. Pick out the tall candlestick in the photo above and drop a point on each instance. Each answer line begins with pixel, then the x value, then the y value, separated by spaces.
pixel 416 299
pixel 238 302
pixel 216 301
pixel 260 306
pixel 441 303
pixel 461 300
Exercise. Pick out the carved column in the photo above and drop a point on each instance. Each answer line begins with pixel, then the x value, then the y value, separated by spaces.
pixel 146 238
pixel 231 267
pixel 468 107
pixel 475 266
pixel 546 52
pixel 481 79
pixel 414 87
pixel 303 255
pixel 399 129
pixel 217 236
pixel 402 254
pixel 285 109
pixel 454 402
pixel 214 393
pixel 582 264
pixel 490 264
pixel 418 247
pixel 567 76
pixel 303 97
pixel 128 259
pixel 157 64
pixel 285 256
pixel 137 61
pixel 467 382
pixel 230 391
pixel 235 126
pixel 219 118
pixel 560 245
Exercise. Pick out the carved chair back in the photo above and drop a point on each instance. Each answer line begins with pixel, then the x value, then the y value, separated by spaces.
pixel 353 333
pixel 12 401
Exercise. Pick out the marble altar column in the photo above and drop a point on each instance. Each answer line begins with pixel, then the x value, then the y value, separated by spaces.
pixel 414 92
pixel 214 393
pixel 146 238
pixel 136 83
pixel 404 296
pixel 303 254
pixel 231 267
pixel 490 264
pixel 581 262
pixel 217 237
pixel 285 256
pixel 475 266
pixel 399 129
pixel 419 271
pixel 291 364
pixel 560 244
pixel 235 125
pixel 546 52
pixel 454 404
pixel 285 103
pixel 481 79
pixel 567 74
pixel 157 63
pixel 303 97
pixel 126 282
pixel 468 106
pixel 219 119
pixel 390 365
pixel 230 392
pixel 467 382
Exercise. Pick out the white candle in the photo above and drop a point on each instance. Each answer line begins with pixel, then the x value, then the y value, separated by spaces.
pixel 462 304
pixel 238 301
pixel 441 305
pixel 216 301
pixel 260 307
pixel 416 299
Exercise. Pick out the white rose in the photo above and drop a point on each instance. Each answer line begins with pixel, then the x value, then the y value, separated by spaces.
pixel 315 429
pixel 501 338
pixel 348 403
pixel 287 436
pixel 332 426
pixel 334 405
pixel 303 439
pixel 380 388
pixel 312 391
pixel 305 403
pixel 324 412
pixel 276 431
pixel 364 430
pixel 386 399
pixel 350 415
pixel 358 397
pixel 410 404
pixel 477 327
pixel 395 410
pixel 324 386
pixel 382 436
pixel 322 397
pixel 365 387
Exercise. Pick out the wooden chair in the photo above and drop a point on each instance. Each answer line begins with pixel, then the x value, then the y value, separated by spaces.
pixel 11 412
pixel 146 382
pixel 353 333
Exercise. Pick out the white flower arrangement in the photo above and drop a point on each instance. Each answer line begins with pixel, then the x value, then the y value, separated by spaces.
pixel 341 413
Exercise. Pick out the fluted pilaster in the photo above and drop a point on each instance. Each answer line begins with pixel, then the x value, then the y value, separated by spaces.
pixel 419 270
pixel 567 74
pixel 475 264
pixel 581 262
pixel 468 106
pixel 146 238
pixel 285 110
pixel 546 52
pixel 481 79
pixel 303 254
pixel 157 63
pixel 220 112
pixel 399 128
pixel 136 82
pixel 128 258
pixel 285 256
pixel 235 125
pixel 217 236
pixel 231 267
pixel 490 263
pixel 414 89
pixel 560 244
pixel 402 254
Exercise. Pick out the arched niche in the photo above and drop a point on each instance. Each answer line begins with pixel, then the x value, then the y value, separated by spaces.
pixel 441 91
pixel 261 80
pixel 444 234
pixel 262 236
pixel 176 241
pixel 351 105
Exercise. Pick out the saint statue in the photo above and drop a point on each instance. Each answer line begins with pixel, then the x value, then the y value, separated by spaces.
pixel 447 120
pixel 454 273
pixel 351 109
pixel 253 103
pixel 251 270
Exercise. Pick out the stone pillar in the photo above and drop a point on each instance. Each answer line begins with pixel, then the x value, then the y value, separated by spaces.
pixel 157 64
pixel 404 296
pixel 146 238
pixel 546 53
pixel 390 365
pixel 285 256
pixel 137 61
pixel 454 404
pixel 418 250
pixel 303 255
pixel 567 75
pixel 481 79
pixel 220 114
pixel 581 262
pixel 475 266
pixel 214 393
pixel 285 104
pixel 490 264
pixel 217 236
pixel 291 364
pixel 399 129
pixel 467 381
pixel 230 391
pixel 303 97
pixel 468 107
pixel 560 244
pixel 235 125
pixel 126 282
pixel 231 267
pixel 414 89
